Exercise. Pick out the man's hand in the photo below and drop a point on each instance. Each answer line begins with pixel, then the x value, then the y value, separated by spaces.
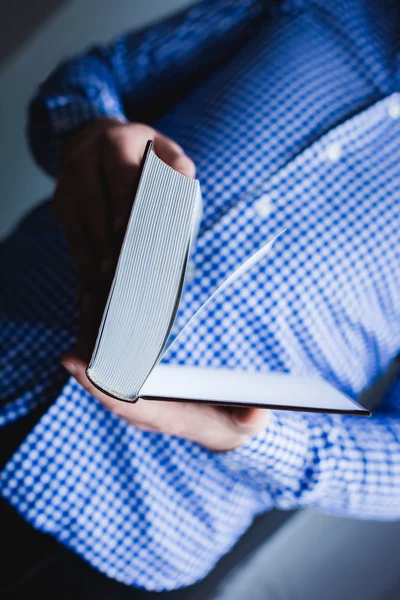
pixel 216 428
pixel 93 201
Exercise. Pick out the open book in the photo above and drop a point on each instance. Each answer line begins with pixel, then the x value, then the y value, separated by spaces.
pixel 143 302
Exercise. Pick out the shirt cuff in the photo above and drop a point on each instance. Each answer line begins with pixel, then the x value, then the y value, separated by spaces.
pixel 68 112
pixel 54 116
pixel 285 459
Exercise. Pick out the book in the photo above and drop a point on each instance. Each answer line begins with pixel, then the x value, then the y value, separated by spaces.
pixel 143 302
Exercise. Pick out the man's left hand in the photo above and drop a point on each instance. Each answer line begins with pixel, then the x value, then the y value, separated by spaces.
pixel 216 428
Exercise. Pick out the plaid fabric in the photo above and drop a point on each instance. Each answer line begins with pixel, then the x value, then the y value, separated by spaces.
pixel 294 122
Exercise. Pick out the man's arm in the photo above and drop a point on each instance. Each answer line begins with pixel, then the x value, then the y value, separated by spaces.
pixel 92 112
pixel 138 76
pixel 344 465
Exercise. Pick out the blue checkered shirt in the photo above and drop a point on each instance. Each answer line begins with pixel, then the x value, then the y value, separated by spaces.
pixel 291 112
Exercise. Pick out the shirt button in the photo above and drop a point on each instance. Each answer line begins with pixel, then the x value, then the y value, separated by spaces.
pixel 334 151
pixel 235 468
pixel 190 272
pixel 263 206
pixel 394 109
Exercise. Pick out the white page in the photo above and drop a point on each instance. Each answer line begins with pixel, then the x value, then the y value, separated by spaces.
pixel 239 272
pixel 148 280
pixel 278 390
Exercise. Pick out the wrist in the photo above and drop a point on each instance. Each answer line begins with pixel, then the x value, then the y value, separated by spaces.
pixel 274 458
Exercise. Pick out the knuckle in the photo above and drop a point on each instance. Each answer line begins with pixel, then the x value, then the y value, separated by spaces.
pixel 112 136
pixel 141 129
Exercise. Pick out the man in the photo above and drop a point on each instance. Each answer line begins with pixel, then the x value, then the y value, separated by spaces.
pixel 291 116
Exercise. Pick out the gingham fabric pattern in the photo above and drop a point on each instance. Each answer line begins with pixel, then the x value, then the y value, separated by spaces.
pixel 300 128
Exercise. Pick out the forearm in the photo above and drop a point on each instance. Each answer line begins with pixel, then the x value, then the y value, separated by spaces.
pixel 138 75
pixel 344 465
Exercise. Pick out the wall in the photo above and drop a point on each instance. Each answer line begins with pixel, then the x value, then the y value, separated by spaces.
pixel 68 27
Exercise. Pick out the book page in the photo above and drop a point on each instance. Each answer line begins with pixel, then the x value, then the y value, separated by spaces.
pixel 147 285
pixel 221 385
pixel 280 391
pixel 239 272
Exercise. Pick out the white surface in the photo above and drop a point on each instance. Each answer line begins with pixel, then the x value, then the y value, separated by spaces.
pixel 75 26
pixel 224 385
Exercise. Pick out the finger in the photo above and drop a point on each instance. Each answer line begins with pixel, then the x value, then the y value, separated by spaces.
pixel 149 416
pixel 212 427
pixel 77 368
pixel 95 206
pixel 122 153
pixel 83 166
pixel 86 330
pixel 209 426
pixel 251 419
pixel 173 155
pixel 91 309
pixel 122 187
pixel 183 419
pixel 65 204
pixel 183 164
pixel 121 160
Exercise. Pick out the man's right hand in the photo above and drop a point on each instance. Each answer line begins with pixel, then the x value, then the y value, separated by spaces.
pixel 93 201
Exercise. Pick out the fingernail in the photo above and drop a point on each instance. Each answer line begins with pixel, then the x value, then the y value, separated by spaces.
pixel 70 366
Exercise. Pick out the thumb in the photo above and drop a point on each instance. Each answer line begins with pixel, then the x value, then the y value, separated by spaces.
pixel 183 164
pixel 173 155
pixel 252 419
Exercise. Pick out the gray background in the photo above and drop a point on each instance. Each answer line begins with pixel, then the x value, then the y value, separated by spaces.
pixel 34 37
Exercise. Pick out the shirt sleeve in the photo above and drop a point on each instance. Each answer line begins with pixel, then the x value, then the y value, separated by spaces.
pixel 130 79
pixel 349 466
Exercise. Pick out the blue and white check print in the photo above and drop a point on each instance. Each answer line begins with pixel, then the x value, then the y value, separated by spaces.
pixel 299 128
